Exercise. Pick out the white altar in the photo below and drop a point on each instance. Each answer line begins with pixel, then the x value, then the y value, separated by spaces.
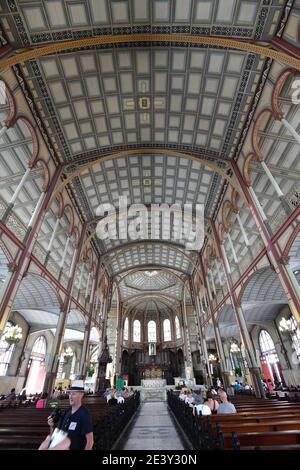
pixel 153 390
pixel 154 383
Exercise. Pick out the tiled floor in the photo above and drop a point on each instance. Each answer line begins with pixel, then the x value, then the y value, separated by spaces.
pixel 153 428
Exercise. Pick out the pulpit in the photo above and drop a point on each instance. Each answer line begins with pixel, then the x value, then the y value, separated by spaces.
pixel 101 382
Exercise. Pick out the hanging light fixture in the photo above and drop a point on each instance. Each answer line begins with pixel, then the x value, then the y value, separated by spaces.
pixel 68 352
pixel 234 347
pixel 13 334
pixel 212 358
pixel 286 326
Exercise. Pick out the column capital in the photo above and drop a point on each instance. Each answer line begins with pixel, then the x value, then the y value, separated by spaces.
pixel 12 266
pixel 284 259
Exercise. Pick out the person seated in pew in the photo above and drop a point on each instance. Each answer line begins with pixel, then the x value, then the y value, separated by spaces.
pixel 202 410
pixel 11 396
pixel 41 403
pixel 270 385
pixel 212 404
pixel 53 401
pixel 198 399
pixel 225 407
pixel 106 393
pixel 22 395
pixel 189 397
pixel 119 394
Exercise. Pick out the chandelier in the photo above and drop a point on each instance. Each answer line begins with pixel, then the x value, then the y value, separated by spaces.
pixel 286 326
pixel 234 348
pixel 212 358
pixel 68 352
pixel 13 334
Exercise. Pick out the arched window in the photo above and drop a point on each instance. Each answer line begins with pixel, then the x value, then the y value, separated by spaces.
pixel 267 345
pixel 167 330
pixel 6 351
pixel 151 331
pixel 295 335
pixel 39 348
pixel 37 372
pixel 137 331
pixel 177 328
pixel 269 357
pixel 125 334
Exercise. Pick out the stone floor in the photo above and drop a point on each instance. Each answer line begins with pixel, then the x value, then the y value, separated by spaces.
pixel 153 428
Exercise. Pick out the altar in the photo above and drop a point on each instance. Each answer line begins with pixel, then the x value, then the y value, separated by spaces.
pixel 154 383
pixel 154 390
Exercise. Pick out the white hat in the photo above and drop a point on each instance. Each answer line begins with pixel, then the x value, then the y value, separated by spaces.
pixel 77 386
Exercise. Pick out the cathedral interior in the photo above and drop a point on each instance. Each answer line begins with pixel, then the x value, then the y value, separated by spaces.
pixel 175 103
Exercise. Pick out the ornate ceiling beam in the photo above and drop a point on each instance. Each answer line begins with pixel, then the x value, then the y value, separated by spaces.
pixel 124 247
pixel 124 153
pixel 182 39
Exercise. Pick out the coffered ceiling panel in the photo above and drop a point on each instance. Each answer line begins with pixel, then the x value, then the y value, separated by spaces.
pixel 28 22
pixel 186 98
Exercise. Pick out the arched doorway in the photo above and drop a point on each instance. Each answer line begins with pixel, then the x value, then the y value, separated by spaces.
pixel 269 358
pixel 36 367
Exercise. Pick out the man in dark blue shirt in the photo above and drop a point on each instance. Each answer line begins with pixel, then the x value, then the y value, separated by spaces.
pixel 77 422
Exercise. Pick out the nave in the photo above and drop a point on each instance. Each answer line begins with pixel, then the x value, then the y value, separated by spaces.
pixel 149 210
pixel 153 428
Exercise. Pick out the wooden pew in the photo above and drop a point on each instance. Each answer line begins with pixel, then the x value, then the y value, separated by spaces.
pixel 257 439
pixel 27 427
pixel 260 424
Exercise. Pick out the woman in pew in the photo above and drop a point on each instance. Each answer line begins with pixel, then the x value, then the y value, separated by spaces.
pixel 41 403
pixel 212 404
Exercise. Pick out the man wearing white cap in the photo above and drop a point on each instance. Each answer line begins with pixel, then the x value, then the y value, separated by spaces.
pixel 77 422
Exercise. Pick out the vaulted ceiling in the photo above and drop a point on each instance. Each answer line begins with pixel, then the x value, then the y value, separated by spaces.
pixel 143 97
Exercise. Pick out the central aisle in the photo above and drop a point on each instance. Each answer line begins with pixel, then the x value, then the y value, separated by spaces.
pixel 153 428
